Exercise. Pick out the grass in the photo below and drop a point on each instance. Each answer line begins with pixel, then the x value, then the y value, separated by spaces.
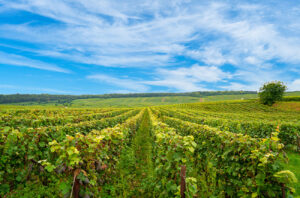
pixel 136 162
pixel 290 106
pixel 294 166
pixel 147 101
pixel 230 97
pixel 134 102
pixel 142 144
pixel 294 93
pixel 17 106
pixel 154 101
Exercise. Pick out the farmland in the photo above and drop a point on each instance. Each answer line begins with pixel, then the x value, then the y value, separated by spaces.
pixel 126 101
pixel 228 149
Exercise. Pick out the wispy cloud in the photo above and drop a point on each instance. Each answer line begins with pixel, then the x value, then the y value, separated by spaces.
pixel 130 85
pixel 17 60
pixel 294 85
pixel 252 78
pixel 179 79
pixel 27 90
pixel 160 37
pixel 189 79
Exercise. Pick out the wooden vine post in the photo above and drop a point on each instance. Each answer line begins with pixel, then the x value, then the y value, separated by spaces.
pixel 76 188
pixel 182 183
pixel 283 191
pixel 76 185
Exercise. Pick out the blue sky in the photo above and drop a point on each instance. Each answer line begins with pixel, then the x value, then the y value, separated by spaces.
pixel 109 46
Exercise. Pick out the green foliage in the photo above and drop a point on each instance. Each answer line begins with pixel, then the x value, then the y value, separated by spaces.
pixel 52 155
pixel 172 151
pixel 286 177
pixel 34 189
pixel 229 149
pixel 271 92
pixel 255 128
pixel 293 165
pixel 244 165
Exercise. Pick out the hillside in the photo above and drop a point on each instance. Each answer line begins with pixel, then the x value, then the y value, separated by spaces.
pixel 61 99
pixel 154 101
pixel 133 100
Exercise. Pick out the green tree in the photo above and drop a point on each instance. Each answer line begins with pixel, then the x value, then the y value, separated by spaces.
pixel 271 92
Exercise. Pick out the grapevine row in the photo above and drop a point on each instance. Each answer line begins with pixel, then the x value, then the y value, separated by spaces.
pixel 29 156
pixel 234 164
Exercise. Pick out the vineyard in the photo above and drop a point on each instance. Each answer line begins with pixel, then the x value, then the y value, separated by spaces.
pixel 212 149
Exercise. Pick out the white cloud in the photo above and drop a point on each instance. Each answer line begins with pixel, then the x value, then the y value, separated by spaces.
pixel 130 85
pixel 294 86
pixel 209 55
pixel 234 86
pixel 253 78
pixel 159 37
pixel 27 90
pixel 180 79
pixel 16 60
pixel 180 85
pixel 189 79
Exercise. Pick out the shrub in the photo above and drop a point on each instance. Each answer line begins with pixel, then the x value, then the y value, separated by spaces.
pixel 271 92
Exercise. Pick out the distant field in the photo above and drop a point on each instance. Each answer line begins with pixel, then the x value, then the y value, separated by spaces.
pixel 295 93
pixel 154 101
pixel 143 101
pixel 230 97
pixel 136 102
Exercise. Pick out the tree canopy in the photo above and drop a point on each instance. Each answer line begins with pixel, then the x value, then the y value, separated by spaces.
pixel 271 92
